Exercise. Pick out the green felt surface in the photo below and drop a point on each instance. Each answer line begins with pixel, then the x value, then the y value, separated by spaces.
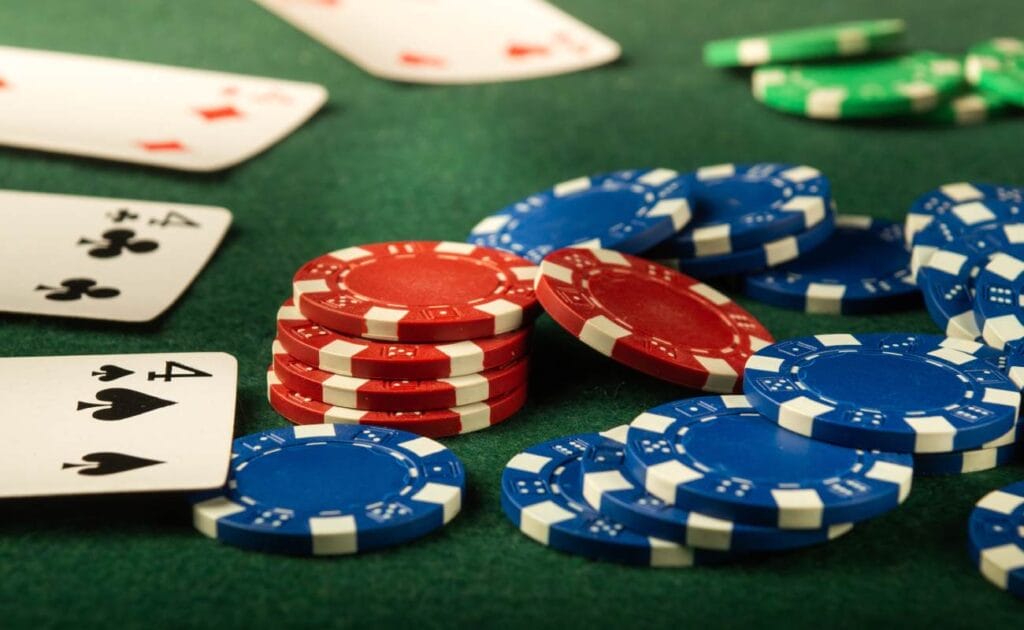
pixel 384 161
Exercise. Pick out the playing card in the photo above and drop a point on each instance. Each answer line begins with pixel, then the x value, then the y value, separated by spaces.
pixel 193 120
pixel 116 423
pixel 451 41
pixel 100 258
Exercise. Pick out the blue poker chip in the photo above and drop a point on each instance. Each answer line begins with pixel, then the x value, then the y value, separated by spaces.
pixel 777 252
pixel 947 279
pixel 938 202
pixel 331 489
pixel 995 534
pixel 905 393
pixel 542 496
pixel 945 229
pixel 742 206
pixel 999 300
pixel 963 462
pixel 628 211
pixel 610 489
pixel 719 456
pixel 862 268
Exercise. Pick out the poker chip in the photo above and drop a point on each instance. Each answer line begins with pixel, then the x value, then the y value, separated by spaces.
pixel 889 86
pixel 997 66
pixel 395 395
pixel 765 256
pixel 964 462
pixel 628 211
pixel 945 229
pixel 542 496
pixel 609 489
pixel 845 39
pixel 947 279
pixel 437 423
pixel 998 304
pixel 996 538
pixel 419 291
pixel 649 317
pixel 863 267
pixel 743 206
pixel 334 352
pixel 719 456
pixel 906 393
pixel 331 490
pixel 941 200
pixel 972 107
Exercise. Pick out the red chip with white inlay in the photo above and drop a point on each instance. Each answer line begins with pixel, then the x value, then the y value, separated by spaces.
pixel 649 317
pixel 334 352
pixel 299 409
pixel 418 291
pixel 395 395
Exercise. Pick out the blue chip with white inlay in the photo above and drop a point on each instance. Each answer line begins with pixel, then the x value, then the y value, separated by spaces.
pixel 719 456
pixel 947 279
pixel 541 493
pixel 742 206
pixel 996 538
pixel 944 229
pixel 628 211
pixel 938 202
pixel 862 268
pixel 331 489
pixel 898 392
pixel 771 254
pixel 610 489
pixel 999 300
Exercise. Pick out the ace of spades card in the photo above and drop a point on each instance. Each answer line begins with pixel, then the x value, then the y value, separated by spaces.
pixel 94 258
pixel 116 423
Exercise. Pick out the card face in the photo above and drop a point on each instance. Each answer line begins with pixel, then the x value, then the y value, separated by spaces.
pixel 96 258
pixel 192 120
pixel 116 423
pixel 451 41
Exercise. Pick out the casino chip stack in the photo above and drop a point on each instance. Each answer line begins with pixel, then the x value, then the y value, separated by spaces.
pixel 420 336
pixel 915 87
pixel 698 481
pixel 331 489
pixel 996 538
pixel 952 404
pixel 967 256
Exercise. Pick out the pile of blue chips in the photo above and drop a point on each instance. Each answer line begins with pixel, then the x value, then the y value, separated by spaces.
pixel 829 433
pixel 774 226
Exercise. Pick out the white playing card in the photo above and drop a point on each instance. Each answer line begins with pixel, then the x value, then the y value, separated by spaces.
pixel 116 423
pixel 451 41
pixel 180 118
pixel 98 258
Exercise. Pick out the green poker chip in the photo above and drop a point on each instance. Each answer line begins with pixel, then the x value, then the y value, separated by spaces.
pixel 970 107
pixel 893 86
pixel 846 39
pixel 997 67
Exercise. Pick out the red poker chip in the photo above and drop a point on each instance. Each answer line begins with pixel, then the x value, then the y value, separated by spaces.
pixel 395 395
pixel 419 291
pixel 299 409
pixel 334 352
pixel 651 318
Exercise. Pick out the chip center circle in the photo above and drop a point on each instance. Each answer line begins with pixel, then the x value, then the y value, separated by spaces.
pixel 654 308
pixel 597 206
pixel 766 454
pixel 736 197
pixel 423 280
pixel 878 380
pixel 315 475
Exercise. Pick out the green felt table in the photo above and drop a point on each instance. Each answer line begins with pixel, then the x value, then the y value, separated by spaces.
pixel 385 161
